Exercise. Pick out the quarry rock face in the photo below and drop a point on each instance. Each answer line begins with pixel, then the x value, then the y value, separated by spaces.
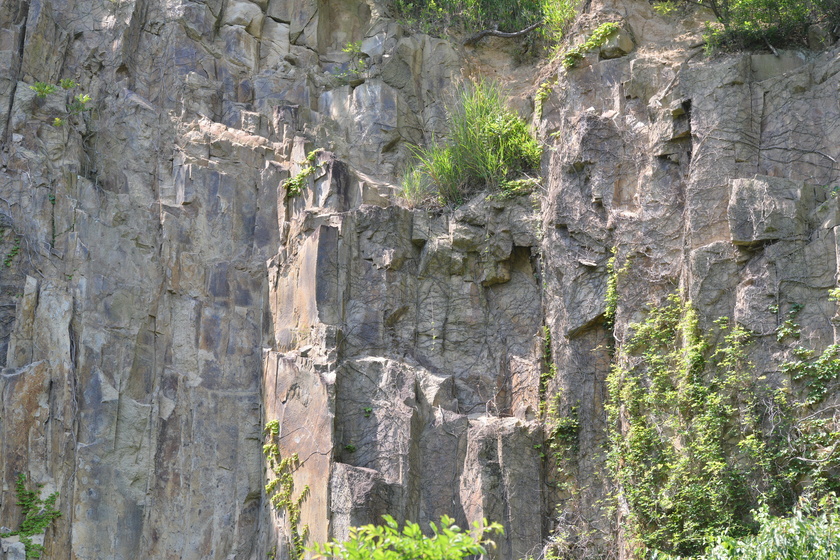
pixel 163 298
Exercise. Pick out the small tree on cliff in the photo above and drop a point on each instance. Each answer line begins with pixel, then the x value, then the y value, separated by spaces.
pixel 751 24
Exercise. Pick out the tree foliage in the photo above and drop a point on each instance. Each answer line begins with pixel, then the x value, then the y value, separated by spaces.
pixel 761 24
pixel 438 16
pixel 388 542
pixel 809 533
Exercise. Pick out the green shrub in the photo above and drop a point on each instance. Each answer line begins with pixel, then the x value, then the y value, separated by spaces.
pixel 438 16
pixel 759 24
pixel 42 89
pixel 597 38
pixel 387 542
pixel 698 436
pixel 294 185
pixel 76 105
pixel 489 145
pixel 805 535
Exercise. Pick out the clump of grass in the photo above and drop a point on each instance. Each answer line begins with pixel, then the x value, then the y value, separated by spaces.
pixel 416 190
pixel 489 145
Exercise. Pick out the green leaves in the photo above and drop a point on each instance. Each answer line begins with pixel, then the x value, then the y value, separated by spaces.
pixel 38 514
pixel 280 487
pixel 295 185
pixel 698 435
pixel 598 37
pixel 388 542
pixel 76 105
pixel 439 16
pixel 670 420
pixel 42 89
pixel 759 24
pixel 809 533
pixel 816 374
pixel 489 146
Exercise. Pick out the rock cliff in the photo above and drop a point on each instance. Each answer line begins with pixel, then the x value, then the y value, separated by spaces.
pixel 163 299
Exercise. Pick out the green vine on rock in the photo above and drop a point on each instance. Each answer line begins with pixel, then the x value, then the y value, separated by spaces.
pixel 598 38
pixel 611 297
pixel 563 431
pixel 549 368
pixel 698 436
pixel 38 514
pixel 10 256
pixel 294 185
pixel 816 374
pixel 543 92
pixel 281 486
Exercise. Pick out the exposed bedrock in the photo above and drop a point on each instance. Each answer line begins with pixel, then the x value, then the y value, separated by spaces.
pixel 162 299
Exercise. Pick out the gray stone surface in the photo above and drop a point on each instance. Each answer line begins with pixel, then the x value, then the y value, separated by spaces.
pixel 12 549
pixel 162 298
pixel 710 176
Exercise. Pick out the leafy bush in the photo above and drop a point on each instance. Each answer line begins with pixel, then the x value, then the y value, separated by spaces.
pixel 811 535
pixel 42 89
pixel 489 145
pixel 295 185
pixel 437 16
pixel 698 436
pixel 387 542
pixel 750 24
pixel 76 105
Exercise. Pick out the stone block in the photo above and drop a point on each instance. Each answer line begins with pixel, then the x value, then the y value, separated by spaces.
pixel 246 14
pixel 12 549
pixel 274 43
pixel 618 44
pixel 765 209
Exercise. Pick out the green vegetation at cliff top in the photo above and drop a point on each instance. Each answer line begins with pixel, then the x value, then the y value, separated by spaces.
pixel 439 16
pixel 761 24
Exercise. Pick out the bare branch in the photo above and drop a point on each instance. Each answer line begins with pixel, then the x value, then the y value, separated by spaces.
pixel 482 34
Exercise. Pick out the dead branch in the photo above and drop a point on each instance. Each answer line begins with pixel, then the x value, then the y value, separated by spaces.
pixel 495 33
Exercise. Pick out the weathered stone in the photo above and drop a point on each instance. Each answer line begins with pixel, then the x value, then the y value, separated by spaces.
pixel 820 37
pixel 274 43
pixel 768 208
pixel 167 296
pixel 359 497
pixel 246 14
pixel 12 549
pixel 618 44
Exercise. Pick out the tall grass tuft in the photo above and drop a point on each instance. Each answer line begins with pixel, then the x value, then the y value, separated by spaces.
pixel 489 145
pixel 416 190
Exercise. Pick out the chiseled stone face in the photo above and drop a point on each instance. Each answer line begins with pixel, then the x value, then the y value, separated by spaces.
pixel 162 298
